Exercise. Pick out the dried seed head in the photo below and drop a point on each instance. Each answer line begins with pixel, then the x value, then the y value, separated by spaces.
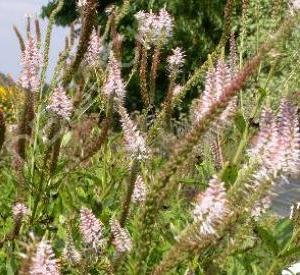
pixel 20 211
pixel 60 104
pixel 31 62
pixel 91 229
pixel 122 240
pixel 140 191
pixel 44 262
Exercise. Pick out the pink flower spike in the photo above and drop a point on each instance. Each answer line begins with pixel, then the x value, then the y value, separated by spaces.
pixel 91 228
pixel 94 50
pixel 44 262
pixel 20 211
pixel 176 61
pixel 134 141
pixel 60 104
pixel 31 62
pixel 122 240
pixel 211 207
pixel 114 85
pixel 140 191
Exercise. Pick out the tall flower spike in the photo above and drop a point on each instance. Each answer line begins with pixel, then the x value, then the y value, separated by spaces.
pixel 289 138
pixel 60 104
pixel 20 211
pixel 211 207
pixel 94 50
pixel 114 85
pixel 122 240
pixel 165 25
pixel 279 132
pixel 91 228
pixel 31 62
pixel 215 83
pixel 44 262
pixel 134 142
pixel 176 61
pixel 140 191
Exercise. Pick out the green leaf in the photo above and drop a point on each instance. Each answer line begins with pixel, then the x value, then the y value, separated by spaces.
pixel 268 239
pixel 240 122
pixel 230 174
pixel 295 251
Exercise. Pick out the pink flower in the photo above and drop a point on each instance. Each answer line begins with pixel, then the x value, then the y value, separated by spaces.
pixel 154 29
pixel 278 141
pixel 20 211
pixel 140 191
pixel 44 262
pixel 134 141
pixel 71 254
pixel 91 228
pixel 122 240
pixel 211 207
pixel 176 61
pixel 94 50
pixel 31 62
pixel 261 206
pixel 114 84
pixel 60 104
pixel 215 83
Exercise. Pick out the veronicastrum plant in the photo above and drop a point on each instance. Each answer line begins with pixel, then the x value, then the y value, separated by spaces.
pixel 91 186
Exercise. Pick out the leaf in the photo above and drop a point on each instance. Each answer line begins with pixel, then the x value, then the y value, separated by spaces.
pixel 240 123
pixel 295 251
pixel 230 174
pixel 268 239
pixel 236 267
